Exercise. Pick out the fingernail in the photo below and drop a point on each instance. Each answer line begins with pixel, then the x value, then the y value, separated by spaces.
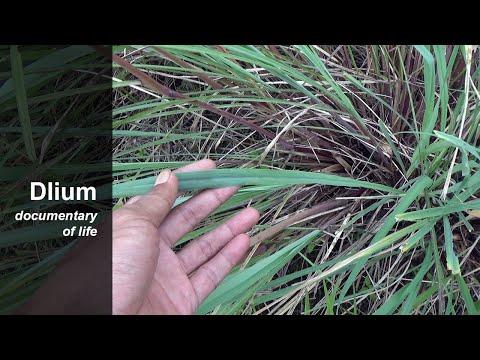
pixel 163 177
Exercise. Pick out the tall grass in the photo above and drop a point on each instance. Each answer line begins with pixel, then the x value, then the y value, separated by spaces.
pixel 378 128
pixel 363 161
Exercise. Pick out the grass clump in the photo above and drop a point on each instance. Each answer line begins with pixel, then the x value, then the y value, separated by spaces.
pixel 362 160
pixel 387 136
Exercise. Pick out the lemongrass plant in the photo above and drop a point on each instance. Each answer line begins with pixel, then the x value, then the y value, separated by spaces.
pixel 389 135
pixel 397 124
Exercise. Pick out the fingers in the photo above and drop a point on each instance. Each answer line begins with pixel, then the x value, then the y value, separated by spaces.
pixel 204 164
pixel 186 216
pixel 156 204
pixel 204 248
pixel 132 199
pixel 209 275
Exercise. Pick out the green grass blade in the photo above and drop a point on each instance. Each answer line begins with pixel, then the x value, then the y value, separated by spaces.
pixel 452 260
pixel 458 143
pixel 22 106
pixel 439 211
pixel 467 297
pixel 439 51
pixel 420 234
pixel 239 281
pixel 430 114
pixel 198 180
pixel 414 286
pixel 389 306
pixel 45 68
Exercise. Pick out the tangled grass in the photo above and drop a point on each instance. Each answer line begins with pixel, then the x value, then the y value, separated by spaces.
pixel 406 117
pixel 362 160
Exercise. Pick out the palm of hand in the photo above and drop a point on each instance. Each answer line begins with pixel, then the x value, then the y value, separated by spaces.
pixel 148 276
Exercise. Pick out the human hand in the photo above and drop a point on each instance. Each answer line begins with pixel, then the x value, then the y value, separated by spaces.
pixel 148 276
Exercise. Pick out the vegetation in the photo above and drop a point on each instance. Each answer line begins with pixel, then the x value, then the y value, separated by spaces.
pixel 54 105
pixel 361 159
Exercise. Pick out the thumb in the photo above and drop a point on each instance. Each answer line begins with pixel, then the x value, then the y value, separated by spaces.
pixel 156 204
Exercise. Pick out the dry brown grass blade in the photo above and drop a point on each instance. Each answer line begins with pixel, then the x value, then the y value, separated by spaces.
pixel 474 213
pixel 275 229
pixel 154 85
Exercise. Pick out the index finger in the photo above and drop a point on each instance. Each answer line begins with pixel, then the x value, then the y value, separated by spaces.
pixel 205 164
pixel 157 203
